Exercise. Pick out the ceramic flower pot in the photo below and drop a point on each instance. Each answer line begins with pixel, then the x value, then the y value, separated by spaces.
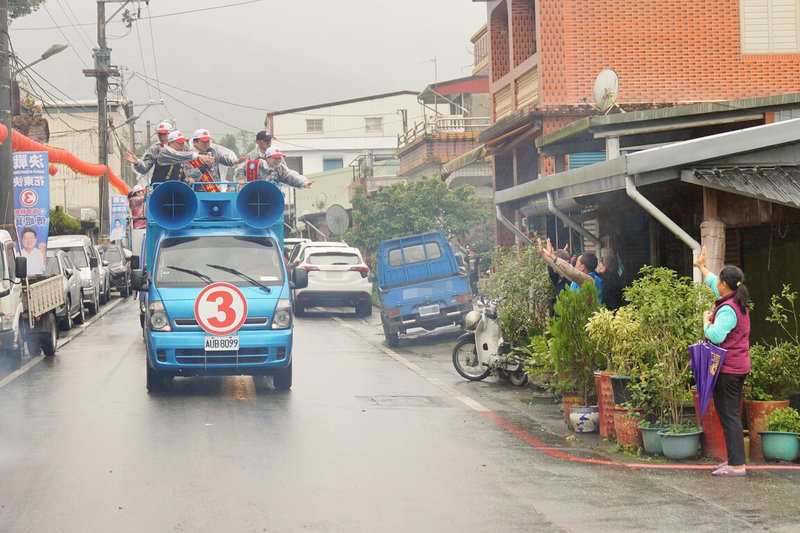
pixel 756 412
pixel 605 403
pixel 626 428
pixel 780 445
pixel 680 445
pixel 584 419
pixel 568 399
pixel 652 440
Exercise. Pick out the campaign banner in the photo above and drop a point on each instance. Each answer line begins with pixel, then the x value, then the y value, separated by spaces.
pixel 32 206
pixel 118 219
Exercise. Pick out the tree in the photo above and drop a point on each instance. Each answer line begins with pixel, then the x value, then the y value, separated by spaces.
pixel 20 8
pixel 410 208
pixel 229 141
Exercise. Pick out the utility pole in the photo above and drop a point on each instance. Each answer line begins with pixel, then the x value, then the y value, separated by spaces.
pixel 6 175
pixel 101 72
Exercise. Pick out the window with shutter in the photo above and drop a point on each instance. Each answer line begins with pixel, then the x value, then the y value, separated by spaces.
pixel 770 26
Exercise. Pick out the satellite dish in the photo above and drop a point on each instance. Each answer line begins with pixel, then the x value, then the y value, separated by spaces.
pixel 605 90
pixel 337 219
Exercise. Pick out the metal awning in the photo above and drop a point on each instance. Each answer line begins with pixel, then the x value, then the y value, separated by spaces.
pixel 473 156
pixel 779 184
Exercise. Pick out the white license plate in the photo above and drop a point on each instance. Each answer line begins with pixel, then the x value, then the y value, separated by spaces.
pixel 429 310
pixel 218 344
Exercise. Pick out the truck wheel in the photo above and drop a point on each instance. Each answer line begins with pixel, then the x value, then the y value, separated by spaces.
pixel 465 361
pixel 156 382
pixel 282 380
pixel 32 340
pixel 392 340
pixel 49 335
pixel 125 290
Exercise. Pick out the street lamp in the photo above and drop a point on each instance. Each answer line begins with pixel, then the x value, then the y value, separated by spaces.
pixel 50 52
pixel 6 173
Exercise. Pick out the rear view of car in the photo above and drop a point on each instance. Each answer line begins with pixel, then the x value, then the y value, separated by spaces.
pixel 337 277
pixel 120 267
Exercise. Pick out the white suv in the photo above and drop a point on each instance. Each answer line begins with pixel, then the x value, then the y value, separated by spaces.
pixel 337 277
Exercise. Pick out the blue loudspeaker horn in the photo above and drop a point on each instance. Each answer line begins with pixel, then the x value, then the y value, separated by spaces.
pixel 172 205
pixel 260 203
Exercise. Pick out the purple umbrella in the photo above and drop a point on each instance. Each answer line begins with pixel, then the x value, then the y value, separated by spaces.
pixel 706 362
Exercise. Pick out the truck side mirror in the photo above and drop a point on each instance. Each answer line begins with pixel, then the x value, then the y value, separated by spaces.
pixel 140 280
pixel 93 262
pixel 21 267
pixel 134 259
pixel 299 278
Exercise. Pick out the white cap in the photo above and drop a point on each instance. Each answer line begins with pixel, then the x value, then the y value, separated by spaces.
pixel 176 136
pixel 137 188
pixel 201 135
pixel 273 152
pixel 164 127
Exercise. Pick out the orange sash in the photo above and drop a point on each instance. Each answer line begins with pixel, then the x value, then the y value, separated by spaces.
pixel 251 170
pixel 196 163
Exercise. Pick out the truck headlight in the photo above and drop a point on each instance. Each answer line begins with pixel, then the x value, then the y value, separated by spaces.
pixel 283 314
pixel 86 282
pixel 157 317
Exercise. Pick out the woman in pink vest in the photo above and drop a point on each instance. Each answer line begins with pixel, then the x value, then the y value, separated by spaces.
pixel 728 326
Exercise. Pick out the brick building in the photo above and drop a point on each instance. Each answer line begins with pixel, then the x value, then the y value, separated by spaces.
pixel 545 56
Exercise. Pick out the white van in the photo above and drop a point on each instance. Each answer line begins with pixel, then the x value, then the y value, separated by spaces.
pixel 80 250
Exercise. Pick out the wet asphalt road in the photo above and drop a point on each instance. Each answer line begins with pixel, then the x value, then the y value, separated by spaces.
pixel 368 439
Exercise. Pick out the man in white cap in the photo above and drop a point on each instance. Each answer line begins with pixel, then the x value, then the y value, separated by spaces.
pixel 271 167
pixel 202 144
pixel 149 158
pixel 169 164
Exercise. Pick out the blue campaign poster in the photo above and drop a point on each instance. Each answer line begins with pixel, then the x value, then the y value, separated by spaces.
pixel 118 219
pixel 32 206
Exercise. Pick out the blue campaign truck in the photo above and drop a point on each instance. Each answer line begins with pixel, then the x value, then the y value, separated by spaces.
pixel 217 297
pixel 420 285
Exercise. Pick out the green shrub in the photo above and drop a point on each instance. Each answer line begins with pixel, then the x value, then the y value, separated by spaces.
pixel 783 419
pixel 521 279
pixel 63 224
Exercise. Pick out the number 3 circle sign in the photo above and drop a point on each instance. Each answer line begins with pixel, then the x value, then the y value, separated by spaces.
pixel 220 309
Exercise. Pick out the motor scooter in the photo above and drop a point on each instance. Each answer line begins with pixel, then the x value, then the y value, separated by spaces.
pixel 482 349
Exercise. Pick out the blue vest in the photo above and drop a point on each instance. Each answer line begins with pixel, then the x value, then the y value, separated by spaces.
pixel 598 282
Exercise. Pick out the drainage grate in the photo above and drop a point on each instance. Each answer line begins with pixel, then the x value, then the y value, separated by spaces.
pixel 540 400
pixel 404 401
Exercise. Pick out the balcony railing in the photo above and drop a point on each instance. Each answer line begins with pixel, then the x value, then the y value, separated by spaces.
pixel 443 124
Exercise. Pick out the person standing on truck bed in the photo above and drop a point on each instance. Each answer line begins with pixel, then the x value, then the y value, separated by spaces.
pixel 144 165
pixel 271 168
pixel 201 141
pixel 170 160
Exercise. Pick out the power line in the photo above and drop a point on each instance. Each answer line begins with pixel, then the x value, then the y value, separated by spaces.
pixel 146 78
pixel 165 15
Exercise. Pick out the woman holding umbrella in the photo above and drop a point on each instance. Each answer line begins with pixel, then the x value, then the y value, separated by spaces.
pixel 728 326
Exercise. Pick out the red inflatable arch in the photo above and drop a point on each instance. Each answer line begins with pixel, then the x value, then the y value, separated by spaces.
pixel 20 142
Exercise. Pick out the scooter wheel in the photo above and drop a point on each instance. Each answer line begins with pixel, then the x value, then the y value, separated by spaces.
pixel 465 360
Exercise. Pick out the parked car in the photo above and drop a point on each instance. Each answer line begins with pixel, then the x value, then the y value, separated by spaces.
pixel 337 277
pixel 79 248
pixel 299 251
pixel 58 262
pixel 119 265
pixel 290 243
pixel 105 277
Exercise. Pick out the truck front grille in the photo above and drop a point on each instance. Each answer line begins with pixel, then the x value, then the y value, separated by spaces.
pixel 245 357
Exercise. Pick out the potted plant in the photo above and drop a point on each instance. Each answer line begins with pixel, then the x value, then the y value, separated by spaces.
pixel 668 309
pixel 612 332
pixel 780 441
pixel 573 354
pixel 775 369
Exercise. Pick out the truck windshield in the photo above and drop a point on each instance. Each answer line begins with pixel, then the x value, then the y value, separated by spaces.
pixel 198 259
pixel 78 257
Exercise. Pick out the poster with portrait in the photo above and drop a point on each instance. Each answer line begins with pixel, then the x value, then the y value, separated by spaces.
pixel 32 206
pixel 118 219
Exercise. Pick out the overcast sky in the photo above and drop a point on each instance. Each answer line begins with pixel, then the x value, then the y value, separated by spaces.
pixel 250 56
